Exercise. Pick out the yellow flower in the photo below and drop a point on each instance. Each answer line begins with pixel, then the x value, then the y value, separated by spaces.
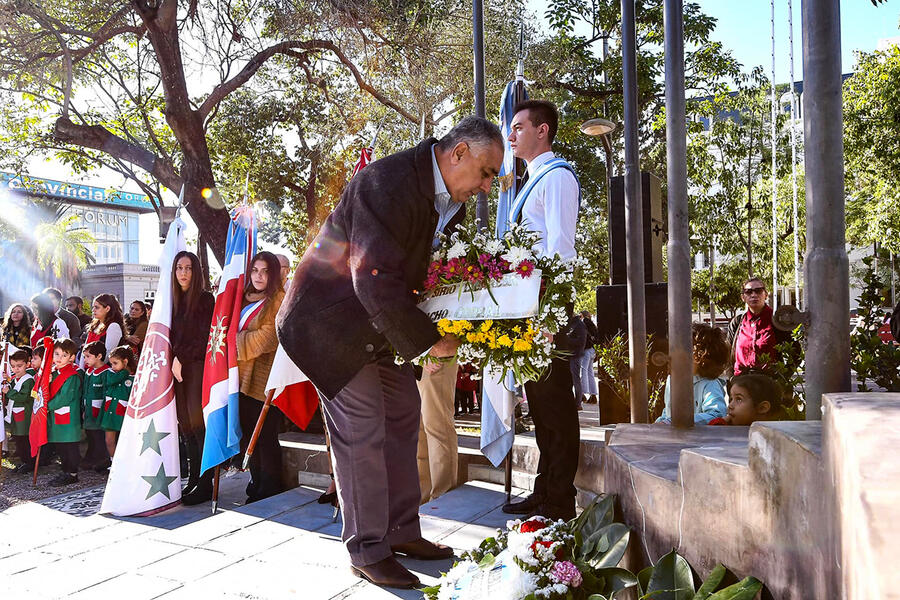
pixel 521 346
pixel 505 341
pixel 444 326
pixel 464 325
pixel 517 329
pixel 475 338
pixel 486 325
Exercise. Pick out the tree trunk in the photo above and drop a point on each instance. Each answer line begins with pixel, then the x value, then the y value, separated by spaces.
pixel 312 227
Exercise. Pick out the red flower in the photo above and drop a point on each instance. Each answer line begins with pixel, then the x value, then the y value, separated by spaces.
pixel 525 268
pixel 560 552
pixel 532 525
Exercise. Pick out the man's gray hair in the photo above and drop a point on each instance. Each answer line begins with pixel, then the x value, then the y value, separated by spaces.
pixel 474 131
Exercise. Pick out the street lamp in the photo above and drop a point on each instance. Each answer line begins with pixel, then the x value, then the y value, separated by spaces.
pixel 602 128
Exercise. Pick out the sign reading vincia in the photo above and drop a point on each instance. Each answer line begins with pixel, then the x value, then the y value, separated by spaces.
pixel 74 192
pixel 512 297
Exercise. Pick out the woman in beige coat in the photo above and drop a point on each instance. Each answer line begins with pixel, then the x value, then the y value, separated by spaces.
pixel 256 346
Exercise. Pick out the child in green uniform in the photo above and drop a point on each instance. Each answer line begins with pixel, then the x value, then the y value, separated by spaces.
pixel 19 405
pixel 118 389
pixel 95 374
pixel 64 410
pixel 37 355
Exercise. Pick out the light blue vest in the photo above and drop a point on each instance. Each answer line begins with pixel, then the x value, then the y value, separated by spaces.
pixel 515 211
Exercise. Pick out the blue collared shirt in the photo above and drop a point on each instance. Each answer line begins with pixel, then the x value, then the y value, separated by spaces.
pixel 446 208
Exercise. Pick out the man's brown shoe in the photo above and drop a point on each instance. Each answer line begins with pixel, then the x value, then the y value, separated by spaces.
pixel 422 549
pixel 388 573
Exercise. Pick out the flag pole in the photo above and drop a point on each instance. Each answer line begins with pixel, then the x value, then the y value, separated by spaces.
pixel 37 461
pixel 215 497
pixel 256 430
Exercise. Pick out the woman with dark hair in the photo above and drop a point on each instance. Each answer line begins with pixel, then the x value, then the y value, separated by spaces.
pixel 710 352
pixel 16 326
pixel 136 326
pixel 192 310
pixel 256 346
pixel 46 322
pixel 107 326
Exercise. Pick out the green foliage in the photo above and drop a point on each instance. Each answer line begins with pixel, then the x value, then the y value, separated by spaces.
pixel 614 370
pixel 872 359
pixel 788 373
pixel 671 578
pixel 872 149
pixel 727 280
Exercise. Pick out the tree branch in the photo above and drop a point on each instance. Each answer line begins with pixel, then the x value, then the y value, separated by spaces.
pixel 288 48
pixel 100 138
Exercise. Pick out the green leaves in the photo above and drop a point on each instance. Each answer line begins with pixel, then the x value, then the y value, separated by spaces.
pixel 711 583
pixel 745 589
pixel 671 579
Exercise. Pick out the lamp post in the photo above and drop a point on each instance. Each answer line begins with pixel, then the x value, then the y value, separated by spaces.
pixel 602 128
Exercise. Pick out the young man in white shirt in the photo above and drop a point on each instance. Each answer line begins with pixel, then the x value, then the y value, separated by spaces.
pixel 548 204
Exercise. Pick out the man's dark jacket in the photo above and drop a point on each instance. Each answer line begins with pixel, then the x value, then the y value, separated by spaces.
pixel 354 291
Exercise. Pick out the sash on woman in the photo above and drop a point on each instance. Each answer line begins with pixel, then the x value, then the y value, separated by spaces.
pixel 249 312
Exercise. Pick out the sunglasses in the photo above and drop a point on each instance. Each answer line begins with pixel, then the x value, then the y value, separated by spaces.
pixel 753 290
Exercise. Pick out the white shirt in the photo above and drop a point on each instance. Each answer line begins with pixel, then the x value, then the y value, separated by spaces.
pixel 444 205
pixel 551 209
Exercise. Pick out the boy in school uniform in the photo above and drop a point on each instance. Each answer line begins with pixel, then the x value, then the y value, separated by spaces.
pixel 18 405
pixel 64 411
pixel 118 390
pixel 95 374
pixel 37 355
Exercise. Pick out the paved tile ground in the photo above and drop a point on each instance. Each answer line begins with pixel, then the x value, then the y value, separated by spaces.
pixel 283 547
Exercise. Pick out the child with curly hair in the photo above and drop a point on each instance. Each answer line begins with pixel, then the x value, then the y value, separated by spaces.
pixel 710 354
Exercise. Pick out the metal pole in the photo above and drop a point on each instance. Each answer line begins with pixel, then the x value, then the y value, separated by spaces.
pixel 679 246
pixel 481 204
pixel 774 294
pixel 796 222
pixel 712 285
pixel 826 265
pixel 750 201
pixel 634 231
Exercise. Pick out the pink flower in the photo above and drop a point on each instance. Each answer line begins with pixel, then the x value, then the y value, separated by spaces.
pixel 455 268
pixel 525 268
pixel 565 572
pixel 484 259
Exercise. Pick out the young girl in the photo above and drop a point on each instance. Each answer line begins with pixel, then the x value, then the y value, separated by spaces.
pixel 118 389
pixel 710 354
pixel 752 398
pixel 136 326
pixel 95 373
pixel 16 326
pixel 107 325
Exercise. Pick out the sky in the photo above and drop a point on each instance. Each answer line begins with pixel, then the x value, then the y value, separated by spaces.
pixel 744 27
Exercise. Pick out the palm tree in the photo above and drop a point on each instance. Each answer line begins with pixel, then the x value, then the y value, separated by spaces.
pixel 63 247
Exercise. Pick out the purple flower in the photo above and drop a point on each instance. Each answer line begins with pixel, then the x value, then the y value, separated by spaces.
pixel 565 572
pixel 484 259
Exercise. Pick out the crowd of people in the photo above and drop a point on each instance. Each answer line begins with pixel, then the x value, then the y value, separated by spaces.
pixel 92 367
pixel 95 358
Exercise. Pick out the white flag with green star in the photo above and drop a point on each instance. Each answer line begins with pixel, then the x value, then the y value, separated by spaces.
pixel 145 475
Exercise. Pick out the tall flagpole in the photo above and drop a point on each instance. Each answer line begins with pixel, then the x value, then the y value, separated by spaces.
pixel 481 204
pixel 795 220
pixel 774 295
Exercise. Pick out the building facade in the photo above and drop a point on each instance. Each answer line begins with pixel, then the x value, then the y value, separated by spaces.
pixel 112 218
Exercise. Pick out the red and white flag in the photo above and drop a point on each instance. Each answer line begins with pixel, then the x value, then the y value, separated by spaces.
pixel 365 157
pixel 37 432
pixel 294 393
pixel 145 477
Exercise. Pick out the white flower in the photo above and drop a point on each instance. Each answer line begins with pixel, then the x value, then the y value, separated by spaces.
pixel 437 255
pixel 493 246
pixel 458 249
pixel 517 254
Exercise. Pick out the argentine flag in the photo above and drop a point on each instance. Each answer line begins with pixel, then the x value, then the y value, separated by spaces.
pixel 221 384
